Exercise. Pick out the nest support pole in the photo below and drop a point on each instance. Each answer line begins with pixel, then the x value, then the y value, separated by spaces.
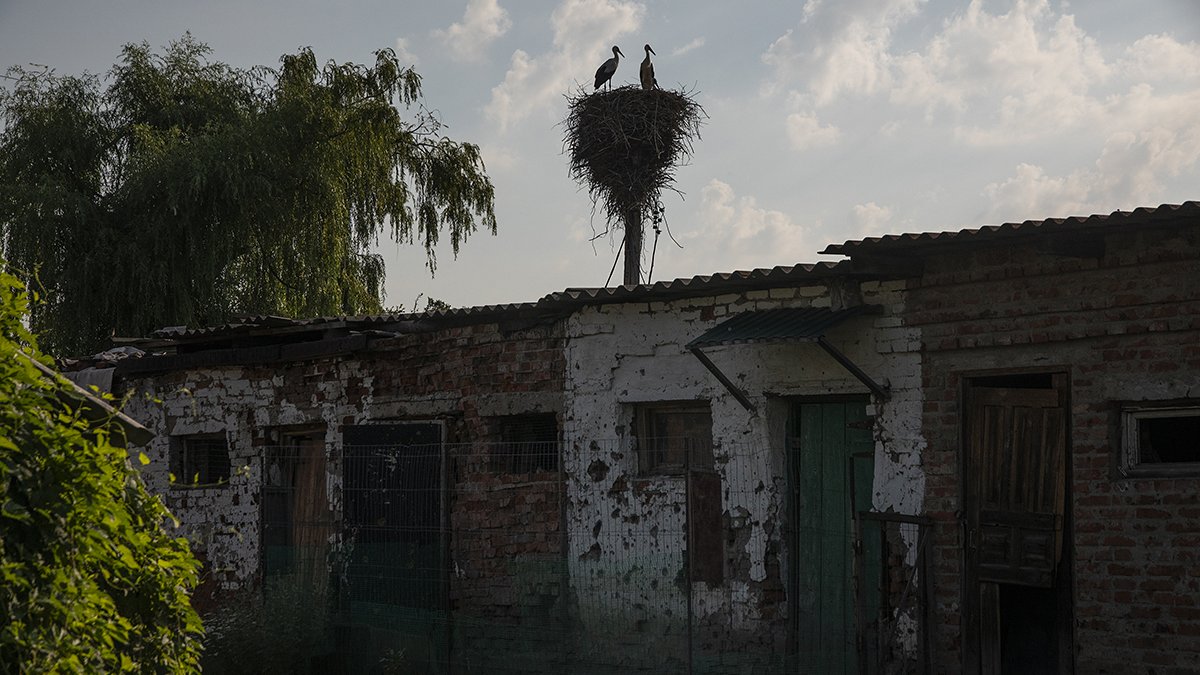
pixel 633 247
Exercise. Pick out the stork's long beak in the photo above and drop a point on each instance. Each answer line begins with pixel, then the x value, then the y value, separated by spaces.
pixel 651 49
pixel 620 52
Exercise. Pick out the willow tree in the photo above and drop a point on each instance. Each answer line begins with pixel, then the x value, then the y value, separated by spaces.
pixel 624 145
pixel 182 191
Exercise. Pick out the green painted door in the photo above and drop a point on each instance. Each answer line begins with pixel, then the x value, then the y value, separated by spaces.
pixel 831 465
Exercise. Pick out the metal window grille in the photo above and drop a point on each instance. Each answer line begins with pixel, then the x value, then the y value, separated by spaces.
pixel 200 461
pixel 528 443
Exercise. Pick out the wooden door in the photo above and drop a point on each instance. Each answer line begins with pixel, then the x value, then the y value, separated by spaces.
pixel 1014 480
pixel 834 461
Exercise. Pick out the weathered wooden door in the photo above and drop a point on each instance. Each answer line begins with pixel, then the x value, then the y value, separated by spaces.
pixel 1014 480
pixel 833 462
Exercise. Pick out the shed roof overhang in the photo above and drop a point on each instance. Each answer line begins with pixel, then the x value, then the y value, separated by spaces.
pixel 790 325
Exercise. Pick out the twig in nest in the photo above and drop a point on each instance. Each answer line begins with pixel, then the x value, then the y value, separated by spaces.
pixel 625 144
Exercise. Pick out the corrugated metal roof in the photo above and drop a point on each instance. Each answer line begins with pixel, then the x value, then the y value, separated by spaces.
pixel 553 304
pixel 897 243
pixel 776 325
pixel 708 284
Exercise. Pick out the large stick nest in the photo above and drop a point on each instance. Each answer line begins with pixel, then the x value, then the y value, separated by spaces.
pixel 625 144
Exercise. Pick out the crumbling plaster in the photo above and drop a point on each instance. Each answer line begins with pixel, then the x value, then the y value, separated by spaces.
pixel 223 522
pixel 621 523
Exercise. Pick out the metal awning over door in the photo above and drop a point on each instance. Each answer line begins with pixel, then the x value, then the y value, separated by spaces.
pixel 790 325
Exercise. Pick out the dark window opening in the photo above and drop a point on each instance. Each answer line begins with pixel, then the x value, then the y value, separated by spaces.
pixel 1158 438
pixel 528 443
pixel 673 437
pixel 1169 439
pixel 199 461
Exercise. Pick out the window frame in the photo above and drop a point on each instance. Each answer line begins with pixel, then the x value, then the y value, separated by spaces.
pixel 181 453
pixel 1129 459
pixel 507 455
pixel 646 414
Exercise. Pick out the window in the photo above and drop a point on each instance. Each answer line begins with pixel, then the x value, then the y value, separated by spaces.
pixel 200 461
pixel 1160 439
pixel 528 443
pixel 673 437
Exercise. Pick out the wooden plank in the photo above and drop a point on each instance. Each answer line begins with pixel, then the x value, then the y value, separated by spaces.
pixel 809 541
pixel 836 639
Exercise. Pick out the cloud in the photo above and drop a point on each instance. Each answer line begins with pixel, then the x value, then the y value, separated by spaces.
pixel 1161 58
pixel 694 44
pixel 483 22
pixel 805 131
pixel 846 49
pixel 404 54
pixel 736 231
pixel 1018 76
pixel 871 219
pixel 584 32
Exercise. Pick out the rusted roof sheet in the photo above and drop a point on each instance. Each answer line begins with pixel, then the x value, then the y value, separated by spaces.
pixel 894 244
pixel 803 324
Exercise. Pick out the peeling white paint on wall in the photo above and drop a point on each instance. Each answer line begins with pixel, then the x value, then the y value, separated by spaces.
pixel 621 355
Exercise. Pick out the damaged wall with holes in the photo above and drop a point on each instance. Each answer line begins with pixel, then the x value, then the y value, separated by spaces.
pixel 473 380
pixel 641 579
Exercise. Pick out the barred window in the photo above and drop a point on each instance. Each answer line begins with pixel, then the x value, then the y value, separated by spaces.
pixel 528 443
pixel 200 461
pixel 674 437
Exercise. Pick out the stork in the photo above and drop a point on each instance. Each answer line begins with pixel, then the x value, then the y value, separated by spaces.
pixel 605 72
pixel 647 72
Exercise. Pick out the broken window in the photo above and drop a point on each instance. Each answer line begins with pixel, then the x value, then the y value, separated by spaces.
pixel 200 461
pixel 1160 439
pixel 528 443
pixel 673 437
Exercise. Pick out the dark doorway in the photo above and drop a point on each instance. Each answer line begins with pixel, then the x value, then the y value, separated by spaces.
pixel 394 598
pixel 1016 600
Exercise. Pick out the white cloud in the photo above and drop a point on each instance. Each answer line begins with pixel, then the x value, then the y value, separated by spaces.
pixel 1148 140
pixel 805 131
pixel 584 31
pixel 846 49
pixel 1030 191
pixel 404 54
pixel 1017 76
pixel 1160 58
pixel 483 22
pixel 694 44
pixel 871 219
pixel 736 232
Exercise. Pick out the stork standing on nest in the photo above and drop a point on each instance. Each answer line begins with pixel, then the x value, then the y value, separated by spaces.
pixel 605 72
pixel 647 72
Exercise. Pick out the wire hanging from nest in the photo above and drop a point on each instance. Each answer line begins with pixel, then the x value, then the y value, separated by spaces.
pixel 625 145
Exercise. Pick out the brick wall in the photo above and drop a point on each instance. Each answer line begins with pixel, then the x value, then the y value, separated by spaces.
pixel 465 377
pixel 1123 327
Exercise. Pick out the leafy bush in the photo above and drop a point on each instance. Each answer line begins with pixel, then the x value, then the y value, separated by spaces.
pixel 90 581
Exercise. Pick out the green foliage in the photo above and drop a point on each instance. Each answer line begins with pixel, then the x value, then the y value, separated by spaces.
pixel 89 579
pixel 186 191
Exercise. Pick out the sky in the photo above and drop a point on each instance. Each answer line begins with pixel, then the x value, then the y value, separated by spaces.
pixel 828 120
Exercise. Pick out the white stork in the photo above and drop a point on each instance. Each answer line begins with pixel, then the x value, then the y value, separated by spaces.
pixel 605 72
pixel 647 72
